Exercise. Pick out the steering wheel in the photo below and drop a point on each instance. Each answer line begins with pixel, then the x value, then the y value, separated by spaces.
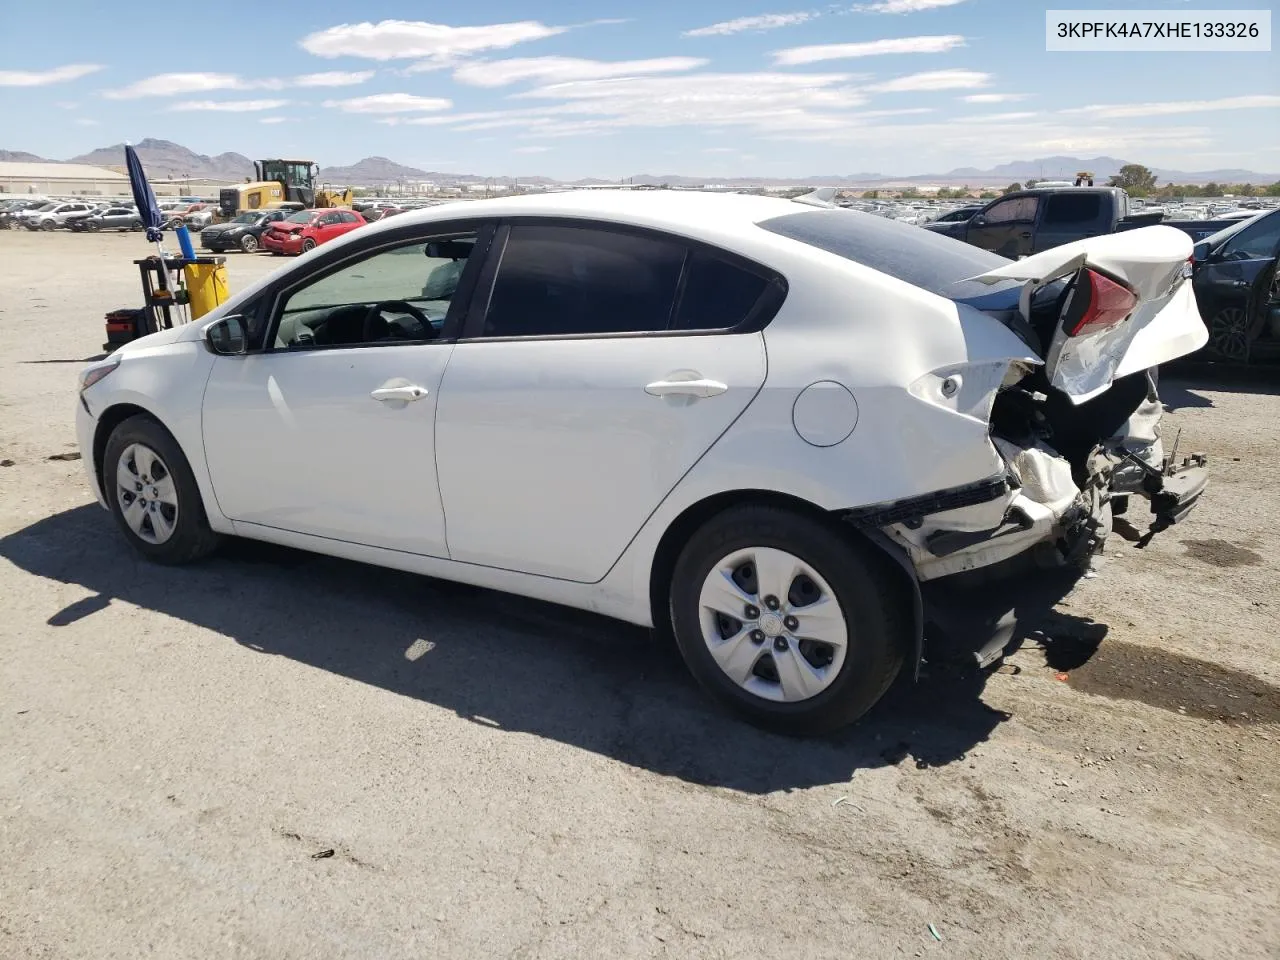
pixel 369 329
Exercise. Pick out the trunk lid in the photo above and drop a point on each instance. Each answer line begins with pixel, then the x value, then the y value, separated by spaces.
pixel 1127 307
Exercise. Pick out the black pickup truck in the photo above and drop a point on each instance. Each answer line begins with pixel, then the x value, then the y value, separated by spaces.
pixel 1028 221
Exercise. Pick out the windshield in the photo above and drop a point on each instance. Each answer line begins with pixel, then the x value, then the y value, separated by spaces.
pixel 46 207
pixel 302 216
pixel 924 259
pixel 247 218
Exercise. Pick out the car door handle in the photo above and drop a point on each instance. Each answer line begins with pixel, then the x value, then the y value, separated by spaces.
pixel 1025 234
pixel 406 394
pixel 685 388
pixel 1241 283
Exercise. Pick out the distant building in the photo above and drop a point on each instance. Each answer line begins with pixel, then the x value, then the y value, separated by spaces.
pixel 83 180
pixel 61 178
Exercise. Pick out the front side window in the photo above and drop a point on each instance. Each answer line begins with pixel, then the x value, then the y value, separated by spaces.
pixel 1257 241
pixel 555 280
pixel 302 216
pixel 1017 210
pixel 395 295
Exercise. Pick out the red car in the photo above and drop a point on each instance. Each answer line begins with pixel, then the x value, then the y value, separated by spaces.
pixel 307 229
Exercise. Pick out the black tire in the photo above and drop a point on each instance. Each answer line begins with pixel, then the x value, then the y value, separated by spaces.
pixel 308 245
pixel 866 589
pixel 249 243
pixel 48 225
pixel 136 225
pixel 192 537
pixel 93 227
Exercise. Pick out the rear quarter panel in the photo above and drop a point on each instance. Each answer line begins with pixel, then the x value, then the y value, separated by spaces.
pixel 876 336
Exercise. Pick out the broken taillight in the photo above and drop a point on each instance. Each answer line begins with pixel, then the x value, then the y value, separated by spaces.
pixel 1098 303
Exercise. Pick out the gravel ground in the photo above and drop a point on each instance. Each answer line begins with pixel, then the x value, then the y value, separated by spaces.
pixel 278 755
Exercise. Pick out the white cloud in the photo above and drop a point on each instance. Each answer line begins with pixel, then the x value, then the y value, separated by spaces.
pixel 767 21
pixel 41 78
pixel 273 120
pixel 993 118
pixel 767 101
pixel 172 84
pixel 871 48
pixel 436 43
pixel 532 149
pixel 499 73
pixel 1117 111
pixel 333 78
pixel 229 106
pixel 932 80
pixel 904 6
pixel 994 97
pixel 390 103
pixel 86 122
pixel 67 105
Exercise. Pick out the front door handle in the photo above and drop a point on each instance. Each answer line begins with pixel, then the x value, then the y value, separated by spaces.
pixel 405 394
pixel 685 388
pixel 1025 235
pixel 1242 283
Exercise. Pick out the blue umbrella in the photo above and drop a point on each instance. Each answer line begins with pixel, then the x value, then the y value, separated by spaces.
pixel 148 210
pixel 143 196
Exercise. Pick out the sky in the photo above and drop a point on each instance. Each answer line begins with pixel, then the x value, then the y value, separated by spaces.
pixel 608 89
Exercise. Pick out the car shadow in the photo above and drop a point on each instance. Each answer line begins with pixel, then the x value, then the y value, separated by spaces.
pixel 502 661
pixel 1179 388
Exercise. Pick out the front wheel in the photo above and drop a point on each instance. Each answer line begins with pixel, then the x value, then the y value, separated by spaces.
pixel 153 494
pixel 248 243
pixel 1229 334
pixel 787 620
pixel 308 245
pixel 48 225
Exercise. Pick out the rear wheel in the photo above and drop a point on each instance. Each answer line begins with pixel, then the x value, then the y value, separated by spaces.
pixel 153 494
pixel 787 621
pixel 248 243
pixel 136 225
pixel 308 245
pixel 48 225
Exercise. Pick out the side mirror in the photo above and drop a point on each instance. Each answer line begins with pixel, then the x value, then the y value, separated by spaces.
pixel 1200 252
pixel 978 220
pixel 227 337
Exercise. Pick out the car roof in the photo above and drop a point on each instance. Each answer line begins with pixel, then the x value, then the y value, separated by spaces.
pixel 681 210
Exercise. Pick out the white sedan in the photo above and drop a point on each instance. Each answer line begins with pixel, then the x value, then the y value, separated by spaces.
pixel 763 426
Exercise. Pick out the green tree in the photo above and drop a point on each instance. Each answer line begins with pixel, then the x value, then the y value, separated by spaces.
pixel 1274 189
pixel 1031 184
pixel 987 195
pixel 1211 189
pixel 1012 188
pixel 871 195
pixel 1246 190
pixel 1135 179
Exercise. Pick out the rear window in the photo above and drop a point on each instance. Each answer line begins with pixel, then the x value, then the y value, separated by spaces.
pixel 919 257
pixel 1073 208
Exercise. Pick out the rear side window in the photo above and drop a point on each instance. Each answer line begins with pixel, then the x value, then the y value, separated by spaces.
pixel 922 258
pixel 717 294
pixel 1073 208
pixel 555 280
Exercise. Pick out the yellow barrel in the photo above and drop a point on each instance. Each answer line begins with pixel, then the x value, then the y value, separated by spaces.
pixel 206 286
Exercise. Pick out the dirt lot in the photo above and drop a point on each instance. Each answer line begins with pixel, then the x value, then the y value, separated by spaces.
pixel 181 749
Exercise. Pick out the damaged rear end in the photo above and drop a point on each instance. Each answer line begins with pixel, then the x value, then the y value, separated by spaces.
pixel 1076 421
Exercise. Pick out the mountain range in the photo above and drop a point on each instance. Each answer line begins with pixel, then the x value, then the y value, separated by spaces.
pixel 167 160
